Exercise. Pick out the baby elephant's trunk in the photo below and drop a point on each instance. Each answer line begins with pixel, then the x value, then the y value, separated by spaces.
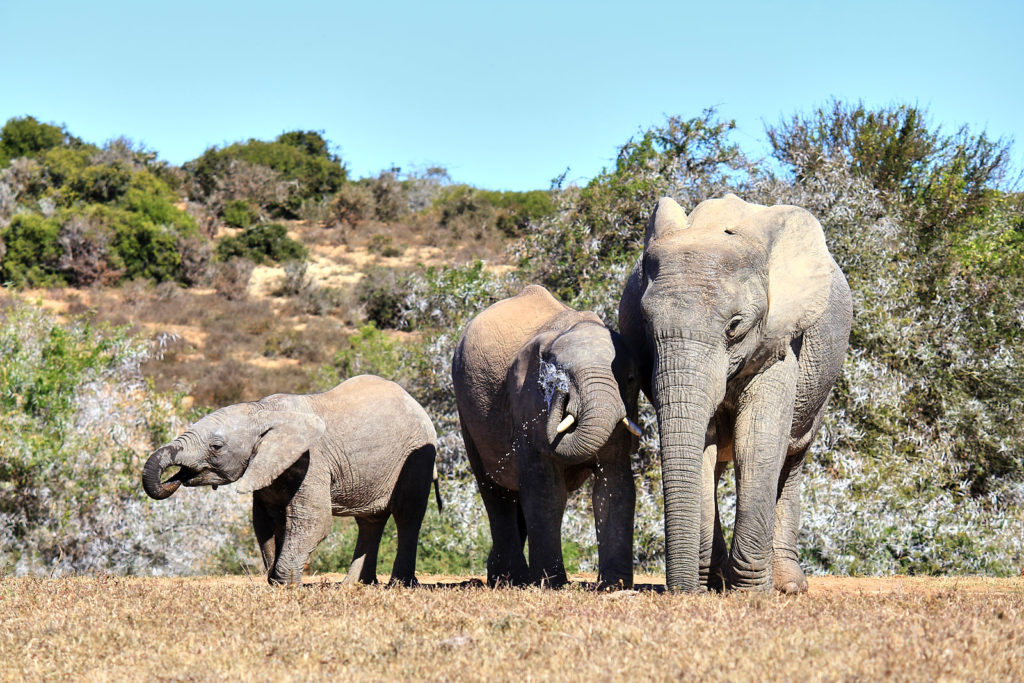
pixel 160 460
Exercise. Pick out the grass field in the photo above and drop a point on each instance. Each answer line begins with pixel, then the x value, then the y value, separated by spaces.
pixel 449 629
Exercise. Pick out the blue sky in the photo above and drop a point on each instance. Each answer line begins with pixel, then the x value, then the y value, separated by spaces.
pixel 505 95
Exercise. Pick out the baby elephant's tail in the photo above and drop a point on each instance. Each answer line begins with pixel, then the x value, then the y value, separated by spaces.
pixel 437 492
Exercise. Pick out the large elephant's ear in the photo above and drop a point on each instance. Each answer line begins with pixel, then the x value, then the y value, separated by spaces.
pixel 287 436
pixel 667 217
pixel 800 272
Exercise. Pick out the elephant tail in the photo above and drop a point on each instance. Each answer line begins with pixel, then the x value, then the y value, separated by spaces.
pixel 437 492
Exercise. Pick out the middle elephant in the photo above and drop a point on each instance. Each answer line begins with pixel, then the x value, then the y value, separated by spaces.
pixel 546 396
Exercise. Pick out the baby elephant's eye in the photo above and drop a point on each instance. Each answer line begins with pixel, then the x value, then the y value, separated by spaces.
pixel 215 447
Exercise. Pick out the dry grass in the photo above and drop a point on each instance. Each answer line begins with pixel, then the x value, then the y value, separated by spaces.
pixel 217 628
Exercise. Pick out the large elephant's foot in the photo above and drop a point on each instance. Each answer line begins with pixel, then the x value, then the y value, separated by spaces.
pixel 789 577
pixel 713 577
pixel 753 576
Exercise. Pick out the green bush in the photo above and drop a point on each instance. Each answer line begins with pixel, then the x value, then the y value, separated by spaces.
pixel 382 292
pixel 239 213
pixel 32 252
pixel 263 243
pixel 300 157
pixel 384 245
pixel 99 183
pixel 947 179
pixel 25 136
pixel 105 221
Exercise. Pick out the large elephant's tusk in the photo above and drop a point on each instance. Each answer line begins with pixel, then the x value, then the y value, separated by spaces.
pixel 633 427
pixel 565 424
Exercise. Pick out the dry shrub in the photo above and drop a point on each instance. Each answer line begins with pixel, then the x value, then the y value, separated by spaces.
pixel 353 204
pixel 83 259
pixel 231 278
pixel 195 255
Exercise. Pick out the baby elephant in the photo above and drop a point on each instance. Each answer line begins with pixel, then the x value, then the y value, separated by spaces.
pixel 547 395
pixel 364 449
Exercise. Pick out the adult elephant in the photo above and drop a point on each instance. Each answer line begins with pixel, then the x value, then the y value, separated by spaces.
pixel 741 319
pixel 547 396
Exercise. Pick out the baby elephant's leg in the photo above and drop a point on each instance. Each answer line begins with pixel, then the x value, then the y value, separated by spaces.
pixel 268 523
pixel 408 506
pixel 304 527
pixel 364 558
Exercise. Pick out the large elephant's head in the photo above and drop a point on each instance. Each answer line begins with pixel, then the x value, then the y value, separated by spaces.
pixel 719 295
pixel 245 442
pixel 577 386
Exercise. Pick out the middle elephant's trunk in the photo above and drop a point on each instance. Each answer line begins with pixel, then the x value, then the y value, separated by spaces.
pixel 688 385
pixel 596 406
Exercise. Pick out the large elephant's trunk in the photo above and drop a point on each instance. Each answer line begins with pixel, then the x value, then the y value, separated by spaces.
pixel 152 473
pixel 688 384
pixel 596 407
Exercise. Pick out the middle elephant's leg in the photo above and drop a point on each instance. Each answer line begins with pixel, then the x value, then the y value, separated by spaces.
pixel 614 501
pixel 542 494
pixel 505 563
pixel 764 418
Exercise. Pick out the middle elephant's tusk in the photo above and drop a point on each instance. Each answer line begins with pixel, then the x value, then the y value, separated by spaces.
pixel 633 427
pixel 565 424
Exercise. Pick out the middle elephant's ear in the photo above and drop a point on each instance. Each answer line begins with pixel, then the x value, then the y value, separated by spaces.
pixel 800 272
pixel 288 435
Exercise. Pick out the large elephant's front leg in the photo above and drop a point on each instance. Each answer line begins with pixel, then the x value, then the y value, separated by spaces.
pixel 788 576
pixel 712 543
pixel 542 494
pixel 614 505
pixel 307 522
pixel 764 417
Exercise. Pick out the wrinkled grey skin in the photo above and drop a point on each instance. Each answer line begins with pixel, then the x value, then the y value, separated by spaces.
pixel 364 449
pixel 523 466
pixel 741 320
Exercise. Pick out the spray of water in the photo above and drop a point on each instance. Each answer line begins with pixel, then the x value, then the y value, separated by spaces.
pixel 553 380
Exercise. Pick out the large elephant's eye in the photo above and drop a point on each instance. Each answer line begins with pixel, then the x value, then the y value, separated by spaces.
pixel 734 330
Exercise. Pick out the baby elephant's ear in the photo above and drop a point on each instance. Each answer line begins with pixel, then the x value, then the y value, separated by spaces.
pixel 288 435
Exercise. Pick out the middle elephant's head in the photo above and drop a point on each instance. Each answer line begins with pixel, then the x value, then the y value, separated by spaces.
pixel 578 384
pixel 245 442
